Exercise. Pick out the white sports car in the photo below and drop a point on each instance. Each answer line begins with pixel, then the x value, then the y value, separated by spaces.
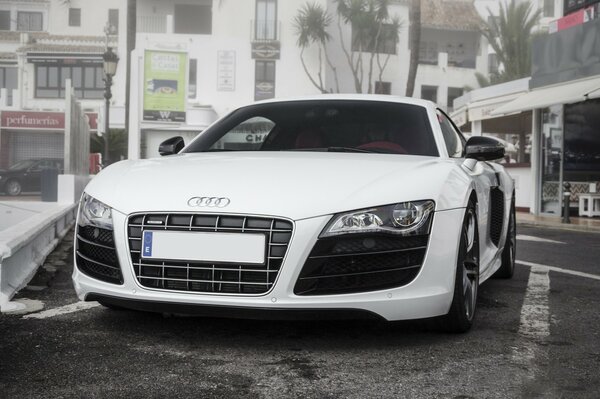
pixel 330 206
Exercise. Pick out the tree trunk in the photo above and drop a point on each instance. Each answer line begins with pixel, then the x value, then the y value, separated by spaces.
pixel 131 32
pixel 415 41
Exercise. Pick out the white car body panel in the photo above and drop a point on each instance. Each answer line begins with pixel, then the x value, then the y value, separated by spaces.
pixel 308 188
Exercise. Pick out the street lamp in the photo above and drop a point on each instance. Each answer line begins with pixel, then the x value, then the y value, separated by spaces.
pixel 110 68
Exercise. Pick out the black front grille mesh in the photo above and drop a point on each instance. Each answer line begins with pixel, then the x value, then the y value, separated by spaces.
pixel 360 263
pixel 96 255
pixel 496 214
pixel 208 277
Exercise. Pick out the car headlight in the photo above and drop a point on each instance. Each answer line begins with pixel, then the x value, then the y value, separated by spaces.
pixel 406 218
pixel 94 213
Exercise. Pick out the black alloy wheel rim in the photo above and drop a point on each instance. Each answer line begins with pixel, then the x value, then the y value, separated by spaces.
pixel 470 264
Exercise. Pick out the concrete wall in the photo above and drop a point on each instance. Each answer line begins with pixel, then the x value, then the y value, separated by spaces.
pixel 24 246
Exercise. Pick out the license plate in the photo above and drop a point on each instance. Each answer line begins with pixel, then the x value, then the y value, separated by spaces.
pixel 203 247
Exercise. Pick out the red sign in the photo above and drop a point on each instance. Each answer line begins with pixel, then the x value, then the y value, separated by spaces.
pixel 93 119
pixel 571 20
pixel 32 120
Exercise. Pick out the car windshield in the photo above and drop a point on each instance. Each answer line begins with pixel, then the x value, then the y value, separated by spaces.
pixel 25 164
pixel 324 125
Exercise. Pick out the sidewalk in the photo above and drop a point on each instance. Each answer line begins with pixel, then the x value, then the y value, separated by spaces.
pixel 577 223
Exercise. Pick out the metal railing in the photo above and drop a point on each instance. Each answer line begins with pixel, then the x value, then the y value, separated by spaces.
pixel 152 23
pixel 265 30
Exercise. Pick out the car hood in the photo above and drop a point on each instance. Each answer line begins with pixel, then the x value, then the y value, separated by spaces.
pixel 296 185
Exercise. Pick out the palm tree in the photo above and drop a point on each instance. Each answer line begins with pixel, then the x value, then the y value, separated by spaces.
pixel 131 33
pixel 311 25
pixel 510 37
pixel 372 26
pixel 415 43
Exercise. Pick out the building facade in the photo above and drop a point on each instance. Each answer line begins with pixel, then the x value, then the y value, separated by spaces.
pixel 555 111
pixel 239 51
pixel 43 45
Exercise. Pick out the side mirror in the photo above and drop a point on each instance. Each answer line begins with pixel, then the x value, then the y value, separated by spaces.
pixel 484 148
pixel 171 146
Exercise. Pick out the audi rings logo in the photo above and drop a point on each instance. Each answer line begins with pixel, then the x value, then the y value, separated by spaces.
pixel 209 202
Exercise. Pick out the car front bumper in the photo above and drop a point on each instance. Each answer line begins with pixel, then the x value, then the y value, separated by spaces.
pixel 428 295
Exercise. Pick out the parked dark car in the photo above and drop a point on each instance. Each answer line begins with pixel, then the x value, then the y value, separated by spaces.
pixel 25 175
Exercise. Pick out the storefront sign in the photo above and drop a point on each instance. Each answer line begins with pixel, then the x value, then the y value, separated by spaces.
pixel 266 50
pixel 226 71
pixel 32 120
pixel 264 90
pixel 165 86
pixel 571 20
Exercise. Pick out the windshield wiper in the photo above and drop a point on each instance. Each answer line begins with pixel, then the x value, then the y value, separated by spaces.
pixel 329 149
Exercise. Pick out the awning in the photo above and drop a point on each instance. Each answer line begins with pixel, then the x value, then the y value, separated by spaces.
pixel 564 93
pixel 459 116
pixel 481 110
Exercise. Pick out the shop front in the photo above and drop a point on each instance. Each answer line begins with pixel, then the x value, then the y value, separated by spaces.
pixel 33 135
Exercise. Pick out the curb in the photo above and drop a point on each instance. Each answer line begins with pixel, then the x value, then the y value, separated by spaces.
pixel 560 226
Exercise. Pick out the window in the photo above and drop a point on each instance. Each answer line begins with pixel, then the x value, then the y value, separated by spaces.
pixel 429 93
pixel 4 20
pixel 8 77
pixel 113 21
pixel 8 80
pixel 386 127
pixel 193 19
pixel 548 8
pixel 455 142
pixel 383 87
pixel 87 80
pixel 428 53
pixel 29 21
pixel 264 81
pixel 453 93
pixel 364 40
pixel 74 16
pixel 266 20
pixel 492 63
pixel 193 74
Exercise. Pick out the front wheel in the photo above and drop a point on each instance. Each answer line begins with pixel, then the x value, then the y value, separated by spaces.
pixel 13 188
pixel 462 311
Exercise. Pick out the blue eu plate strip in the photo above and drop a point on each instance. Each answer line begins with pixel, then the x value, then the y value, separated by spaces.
pixel 147 243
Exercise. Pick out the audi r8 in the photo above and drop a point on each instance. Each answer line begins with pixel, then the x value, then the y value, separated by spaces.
pixel 327 206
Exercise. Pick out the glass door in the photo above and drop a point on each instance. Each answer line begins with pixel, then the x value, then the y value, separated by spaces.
pixel 551 163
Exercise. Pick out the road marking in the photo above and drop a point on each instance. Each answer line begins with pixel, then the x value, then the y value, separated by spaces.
pixel 71 308
pixel 524 237
pixel 559 270
pixel 534 324
pixel 534 312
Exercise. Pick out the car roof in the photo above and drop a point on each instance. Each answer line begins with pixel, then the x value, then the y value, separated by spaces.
pixel 352 97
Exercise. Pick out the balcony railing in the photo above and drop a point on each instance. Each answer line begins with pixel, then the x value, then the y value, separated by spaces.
pixel 265 30
pixel 151 23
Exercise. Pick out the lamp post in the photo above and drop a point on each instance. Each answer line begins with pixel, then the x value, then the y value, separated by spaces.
pixel 110 68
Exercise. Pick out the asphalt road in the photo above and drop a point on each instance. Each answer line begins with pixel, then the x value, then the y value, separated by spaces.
pixel 537 335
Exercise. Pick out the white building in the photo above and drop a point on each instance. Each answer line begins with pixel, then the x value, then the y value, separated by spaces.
pixel 244 50
pixel 42 44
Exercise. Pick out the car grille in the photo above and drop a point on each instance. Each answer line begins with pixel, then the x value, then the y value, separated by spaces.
pixel 496 214
pixel 360 263
pixel 207 277
pixel 96 255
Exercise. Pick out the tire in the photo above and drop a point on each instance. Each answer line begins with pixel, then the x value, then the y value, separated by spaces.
pixel 464 302
pixel 507 269
pixel 12 188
